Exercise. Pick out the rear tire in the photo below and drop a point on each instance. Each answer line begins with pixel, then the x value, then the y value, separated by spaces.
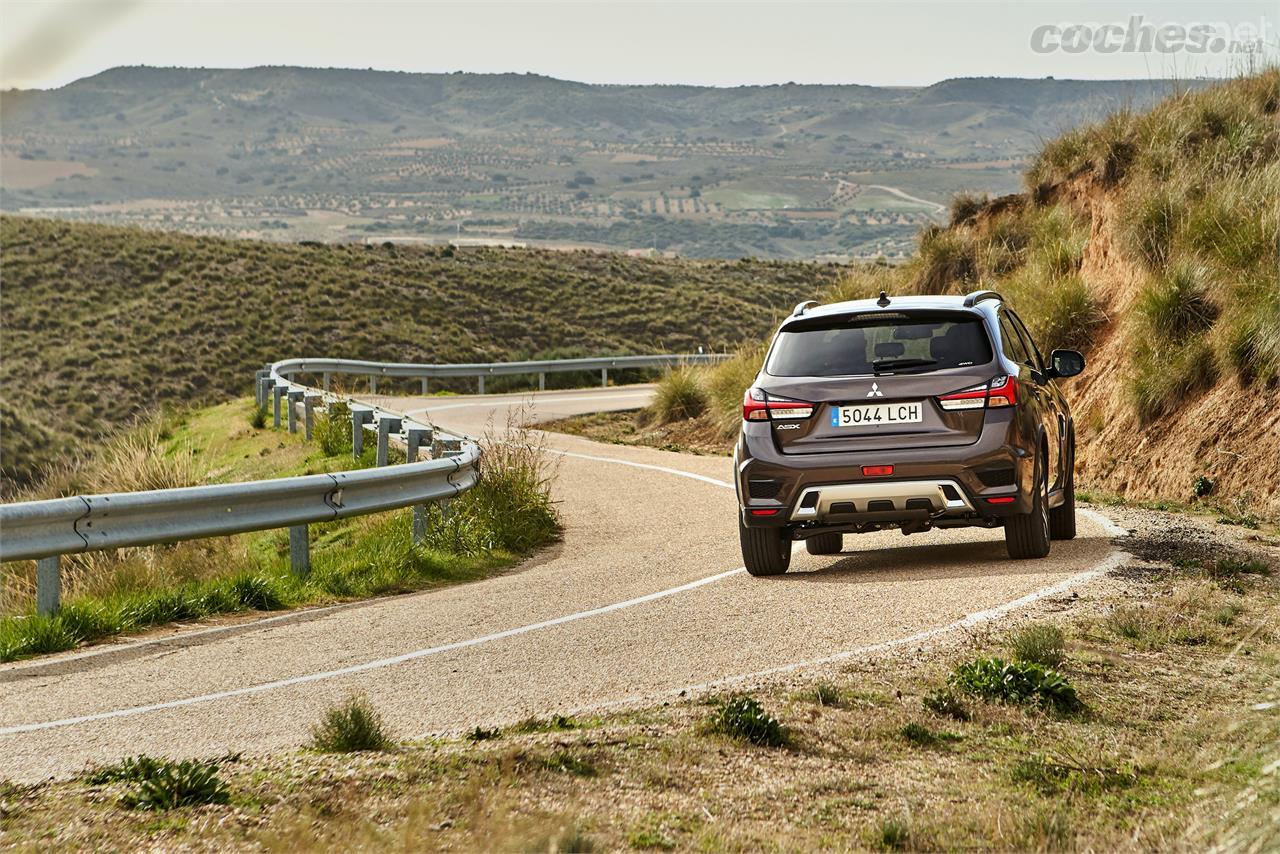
pixel 825 544
pixel 1026 535
pixel 765 551
pixel 1062 520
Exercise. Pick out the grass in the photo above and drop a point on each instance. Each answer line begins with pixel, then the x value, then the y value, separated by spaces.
pixel 679 396
pixel 506 516
pixel 1171 754
pixel 1039 643
pixel 350 727
pixel 91 311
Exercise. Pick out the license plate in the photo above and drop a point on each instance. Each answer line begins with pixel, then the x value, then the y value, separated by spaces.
pixel 877 414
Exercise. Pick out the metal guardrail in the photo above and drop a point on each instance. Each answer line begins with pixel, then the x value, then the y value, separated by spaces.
pixel 424 372
pixel 44 530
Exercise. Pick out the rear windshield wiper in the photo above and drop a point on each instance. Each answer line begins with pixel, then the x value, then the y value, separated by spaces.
pixel 898 364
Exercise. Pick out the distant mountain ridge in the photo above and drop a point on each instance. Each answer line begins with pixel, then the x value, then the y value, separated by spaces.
pixel 283 152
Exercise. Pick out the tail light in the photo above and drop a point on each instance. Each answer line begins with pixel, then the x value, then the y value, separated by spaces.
pixel 759 405
pixel 1001 391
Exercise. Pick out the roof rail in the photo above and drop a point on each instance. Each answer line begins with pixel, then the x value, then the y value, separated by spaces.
pixel 978 296
pixel 801 308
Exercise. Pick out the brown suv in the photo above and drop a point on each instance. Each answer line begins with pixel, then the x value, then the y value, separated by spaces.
pixel 911 413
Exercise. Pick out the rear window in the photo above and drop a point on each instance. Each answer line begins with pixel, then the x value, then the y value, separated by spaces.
pixel 884 343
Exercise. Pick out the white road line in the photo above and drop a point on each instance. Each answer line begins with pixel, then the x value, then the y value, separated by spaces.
pixel 1113 561
pixel 615 461
pixel 369 665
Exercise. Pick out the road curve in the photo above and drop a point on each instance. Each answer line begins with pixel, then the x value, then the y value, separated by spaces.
pixel 644 597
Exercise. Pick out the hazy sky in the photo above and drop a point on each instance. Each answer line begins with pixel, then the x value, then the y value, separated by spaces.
pixel 45 43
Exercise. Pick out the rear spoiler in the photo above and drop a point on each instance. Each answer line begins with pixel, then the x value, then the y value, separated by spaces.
pixel 978 296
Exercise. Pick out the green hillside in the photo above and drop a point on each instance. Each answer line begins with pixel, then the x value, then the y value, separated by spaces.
pixel 101 323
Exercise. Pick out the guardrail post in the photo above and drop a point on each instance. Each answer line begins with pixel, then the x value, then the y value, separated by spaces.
pixel 359 417
pixel 299 550
pixel 424 386
pixel 309 402
pixel 417 438
pixel 294 398
pixel 325 380
pixel 386 424
pixel 604 377
pixel 373 384
pixel 277 392
pixel 48 585
pixel 542 381
pixel 267 384
pixel 258 377
pixel 419 523
pixel 481 378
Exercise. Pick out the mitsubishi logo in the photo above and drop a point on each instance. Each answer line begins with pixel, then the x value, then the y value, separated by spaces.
pixel 875 391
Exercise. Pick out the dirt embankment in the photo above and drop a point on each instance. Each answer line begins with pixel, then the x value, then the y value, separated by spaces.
pixel 1229 432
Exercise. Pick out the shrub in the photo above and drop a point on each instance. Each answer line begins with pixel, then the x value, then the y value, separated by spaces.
pixel 332 430
pixel 1148 221
pixel 510 509
pixel 1039 643
pixel 965 206
pixel 728 382
pixel 483 734
pixel 679 396
pixel 743 718
pixel 349 727
pixel 258 418
pixel 182 784
pixel 1016 682
pixel 159 784
pixel 1175 305
pixel 946 259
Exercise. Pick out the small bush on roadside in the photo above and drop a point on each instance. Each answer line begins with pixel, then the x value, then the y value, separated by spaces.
pixel 1039 643
pixel 1015 682
pixel 182 784
pixel 679 396
pixel 258 418
pixel 332 430
pixel 743 718
pixel 483 734
pixel 510 509
pixel 350 727
pixel 160 784
pixel 131 769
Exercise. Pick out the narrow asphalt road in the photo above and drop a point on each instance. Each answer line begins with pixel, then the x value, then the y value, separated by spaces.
pixel 645 596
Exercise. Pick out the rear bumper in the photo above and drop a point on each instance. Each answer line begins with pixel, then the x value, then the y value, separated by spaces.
pixel 773 488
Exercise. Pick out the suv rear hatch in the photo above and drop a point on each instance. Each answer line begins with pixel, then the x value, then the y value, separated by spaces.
pixel 874 379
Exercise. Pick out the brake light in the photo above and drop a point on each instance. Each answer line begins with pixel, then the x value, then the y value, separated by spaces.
pixel 877 471
pixel 1002 499
pixel 1000 391
pixel 759 405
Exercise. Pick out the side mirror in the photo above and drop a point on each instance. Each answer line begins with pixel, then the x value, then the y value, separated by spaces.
pixel 1065 363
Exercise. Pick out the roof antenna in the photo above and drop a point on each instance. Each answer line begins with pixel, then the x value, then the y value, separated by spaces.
pixel 884 299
